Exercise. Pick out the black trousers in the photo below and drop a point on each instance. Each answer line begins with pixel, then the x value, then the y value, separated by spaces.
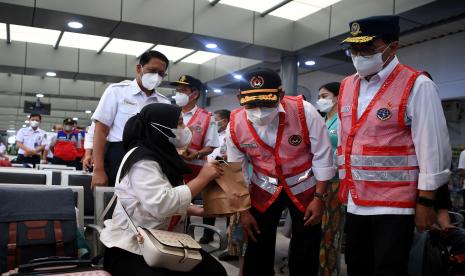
pixel 378 245
pixel 59 161
pixel 28 160
pixel 114 154
pixel 304 246
pixel 119 262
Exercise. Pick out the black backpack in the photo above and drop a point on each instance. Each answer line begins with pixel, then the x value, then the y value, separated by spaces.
pixel 36 223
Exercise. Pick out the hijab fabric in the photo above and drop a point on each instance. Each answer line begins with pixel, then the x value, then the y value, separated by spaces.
pixel 153 145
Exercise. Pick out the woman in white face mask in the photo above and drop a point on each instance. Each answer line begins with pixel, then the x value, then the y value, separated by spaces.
pixel 152 191
pixel 334 211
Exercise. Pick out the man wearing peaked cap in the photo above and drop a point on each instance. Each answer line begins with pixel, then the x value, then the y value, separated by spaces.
pixel 395 157
pixel 288 145
pixel 204 132
pixel 68 141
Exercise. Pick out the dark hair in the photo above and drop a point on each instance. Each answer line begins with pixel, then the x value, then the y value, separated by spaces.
pixel 332 87
pixel 147 56
pixel 35 115
pixel 223 113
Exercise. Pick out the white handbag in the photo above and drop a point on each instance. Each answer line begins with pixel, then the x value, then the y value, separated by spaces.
pixel 170 250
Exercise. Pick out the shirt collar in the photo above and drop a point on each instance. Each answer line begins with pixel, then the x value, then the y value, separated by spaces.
pixel 135 89
pixel 192 111
pixel 382 75
pixel 31 129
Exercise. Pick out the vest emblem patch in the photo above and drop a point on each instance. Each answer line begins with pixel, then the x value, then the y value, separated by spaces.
pixel 295 140
pixel 383 114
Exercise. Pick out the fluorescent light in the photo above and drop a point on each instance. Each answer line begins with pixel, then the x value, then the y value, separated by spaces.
pixel 200 57
pixel 298 9
pixel 310 62
pixel 88 111
pixel 298 63
pixel 83 41
pixel 34 35
pixel 75 25
pixel 75 119
pixel 127 47
pixel 237 77
pixel 173 53
pixel 51 74
pixel 27 121
pixel 11 131
pixel 253 5
pixel 211 45
pixel 217 90
pixel 2 31
pixel 39 95
pixel 24 125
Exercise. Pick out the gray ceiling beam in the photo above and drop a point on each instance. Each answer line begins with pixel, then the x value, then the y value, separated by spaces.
pixel 105 45
pixel 8 34
pixel 277 6
pixel 212 3
pixel 58 40
pixel 188 55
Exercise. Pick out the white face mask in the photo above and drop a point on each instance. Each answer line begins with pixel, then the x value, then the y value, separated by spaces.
pixel 324 105
pixel 68 128
pixel 262 115
pixel 34 124
pixel 183 136
pixel 151 80
pixel 369 65
pixel 181 99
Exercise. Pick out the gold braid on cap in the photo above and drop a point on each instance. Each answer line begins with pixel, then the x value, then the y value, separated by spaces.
pixel 269 97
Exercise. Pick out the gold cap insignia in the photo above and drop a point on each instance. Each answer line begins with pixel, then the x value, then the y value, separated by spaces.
pixel 257 81
pixel 355 29
pixel 182 78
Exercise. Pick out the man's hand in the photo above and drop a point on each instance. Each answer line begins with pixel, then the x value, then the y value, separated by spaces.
pixel 314 212
pixel 87 160
pixel 190 155
pixel 43 161
pixel 249 224
pixel 424 217
pixel 99 178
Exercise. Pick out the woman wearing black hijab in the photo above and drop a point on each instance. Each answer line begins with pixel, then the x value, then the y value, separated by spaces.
pixel 150 188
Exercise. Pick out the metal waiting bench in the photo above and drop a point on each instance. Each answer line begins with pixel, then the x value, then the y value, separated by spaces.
pixel 25 176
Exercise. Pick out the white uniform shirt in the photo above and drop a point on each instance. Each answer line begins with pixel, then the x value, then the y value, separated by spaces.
pixel 50 140
pixel 150 201
pixel 462 165
pixel 89 139
pixel 121 101
pixel 2 148
pixel 30 138
pixel 429 133
pixel 322 164
pixel 221 150
pixel 211 137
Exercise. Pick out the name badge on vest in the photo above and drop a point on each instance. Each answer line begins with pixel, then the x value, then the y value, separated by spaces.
pixel 346 108
pixel 250 146
pixel 295 140
pixel 383 114
pixel 125 101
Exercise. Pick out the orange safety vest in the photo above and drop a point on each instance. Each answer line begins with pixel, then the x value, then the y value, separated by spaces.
pixel 198 124
pixel 376 158
pixel 286 166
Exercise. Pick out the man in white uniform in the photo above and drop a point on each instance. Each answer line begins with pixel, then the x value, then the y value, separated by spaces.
pixel 461 168
pixel 393 153
pixel 30 141
pixel 119 102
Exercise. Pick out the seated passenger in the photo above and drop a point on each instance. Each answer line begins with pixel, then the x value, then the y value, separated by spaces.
pixel 152 190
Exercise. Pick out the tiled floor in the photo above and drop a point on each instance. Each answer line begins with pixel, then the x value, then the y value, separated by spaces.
pixel 282 244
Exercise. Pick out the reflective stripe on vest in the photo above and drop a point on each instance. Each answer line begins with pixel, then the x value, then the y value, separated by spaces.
pixel 385 176
pixel 298 183
pixel 383 161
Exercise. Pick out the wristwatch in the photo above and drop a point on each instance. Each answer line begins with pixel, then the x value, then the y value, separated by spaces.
pixel 321 196
pixel 427 202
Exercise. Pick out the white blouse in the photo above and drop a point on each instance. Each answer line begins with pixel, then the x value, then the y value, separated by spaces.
pixel 150 201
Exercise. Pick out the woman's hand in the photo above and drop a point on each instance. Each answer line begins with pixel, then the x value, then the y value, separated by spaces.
pixel 211 170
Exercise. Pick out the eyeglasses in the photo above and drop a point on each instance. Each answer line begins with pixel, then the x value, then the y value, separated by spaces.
pixel 364 51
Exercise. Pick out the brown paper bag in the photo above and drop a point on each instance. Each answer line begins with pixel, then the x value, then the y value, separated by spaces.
pixel 228 194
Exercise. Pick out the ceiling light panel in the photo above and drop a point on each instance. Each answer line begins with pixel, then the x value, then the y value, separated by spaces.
pixel 173 53
pixel 127 47
pixel 33 35
pixel 253 5
pixel 2 31
pixel 298 9
pixel 83 41
pixel 200 57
